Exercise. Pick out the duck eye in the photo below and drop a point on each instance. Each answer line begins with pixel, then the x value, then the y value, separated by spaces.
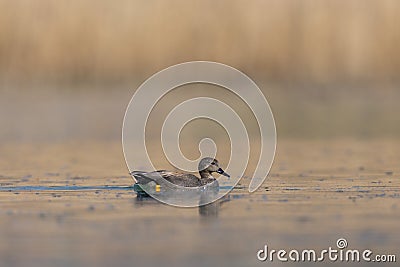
pixel 212 163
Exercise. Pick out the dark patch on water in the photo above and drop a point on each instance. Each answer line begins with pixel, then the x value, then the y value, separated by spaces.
pixel 292 189
pixel 52 174
pixel 239 196
pixel 91 208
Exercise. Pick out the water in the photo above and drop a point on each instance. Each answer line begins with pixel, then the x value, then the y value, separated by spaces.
pixel 64 208
pixel 32 188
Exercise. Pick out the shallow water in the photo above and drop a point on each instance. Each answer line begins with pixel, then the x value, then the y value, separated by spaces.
pixel 73 205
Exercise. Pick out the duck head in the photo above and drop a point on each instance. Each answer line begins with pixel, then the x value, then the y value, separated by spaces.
pixel 209 165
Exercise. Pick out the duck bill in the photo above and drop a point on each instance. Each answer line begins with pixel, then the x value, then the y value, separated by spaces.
pixel 221 171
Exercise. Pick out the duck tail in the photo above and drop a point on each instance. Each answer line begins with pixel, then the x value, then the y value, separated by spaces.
pixel 140 177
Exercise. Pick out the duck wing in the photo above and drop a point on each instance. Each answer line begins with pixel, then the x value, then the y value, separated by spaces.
pixel 181 179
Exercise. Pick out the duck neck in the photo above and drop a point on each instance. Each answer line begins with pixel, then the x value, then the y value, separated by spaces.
pixel 206 175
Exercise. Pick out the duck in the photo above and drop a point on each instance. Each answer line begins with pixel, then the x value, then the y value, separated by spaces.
pixel 207 166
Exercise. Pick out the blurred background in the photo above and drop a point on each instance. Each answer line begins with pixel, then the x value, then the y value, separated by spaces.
pixel 328 68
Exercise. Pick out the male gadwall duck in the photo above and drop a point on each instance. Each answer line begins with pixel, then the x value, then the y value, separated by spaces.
pixel 206 167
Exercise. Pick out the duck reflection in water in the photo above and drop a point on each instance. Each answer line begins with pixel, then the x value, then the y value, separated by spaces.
pixel 212 209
